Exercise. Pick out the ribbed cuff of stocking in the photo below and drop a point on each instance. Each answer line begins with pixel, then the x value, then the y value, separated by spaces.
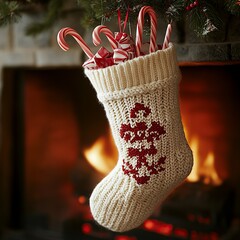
pixel 141 72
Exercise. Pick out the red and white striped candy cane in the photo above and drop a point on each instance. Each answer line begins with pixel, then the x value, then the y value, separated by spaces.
pixel 167 36
pixel 69 31
pixel 139 32
pixel 103 29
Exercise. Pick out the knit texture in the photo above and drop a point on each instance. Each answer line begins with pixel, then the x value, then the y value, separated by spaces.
pixel 140 98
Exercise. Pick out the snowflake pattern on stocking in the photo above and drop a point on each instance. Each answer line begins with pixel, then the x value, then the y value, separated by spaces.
pixel 141 138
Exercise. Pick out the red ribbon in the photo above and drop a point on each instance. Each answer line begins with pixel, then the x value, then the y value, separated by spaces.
pixel 125 51
pixel 103 58
pixel 125 21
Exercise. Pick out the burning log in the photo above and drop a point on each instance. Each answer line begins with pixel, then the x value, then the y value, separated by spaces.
pixel 198 208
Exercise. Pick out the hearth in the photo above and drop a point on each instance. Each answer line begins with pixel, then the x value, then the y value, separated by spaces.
pixel 55 132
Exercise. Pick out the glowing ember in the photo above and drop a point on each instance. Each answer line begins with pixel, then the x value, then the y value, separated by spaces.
pixel 82 199
pixel 102 155
pixel 86 228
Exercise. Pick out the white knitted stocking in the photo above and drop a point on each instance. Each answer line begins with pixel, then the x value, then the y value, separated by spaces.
pixel 140 98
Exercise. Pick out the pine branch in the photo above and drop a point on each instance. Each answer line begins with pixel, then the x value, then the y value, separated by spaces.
pixel 9 12
pixel 204 18
pixel 175 10
pixel 53 12
pixel 233 6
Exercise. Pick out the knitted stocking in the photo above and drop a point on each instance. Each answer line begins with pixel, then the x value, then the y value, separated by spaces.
pixel 140 98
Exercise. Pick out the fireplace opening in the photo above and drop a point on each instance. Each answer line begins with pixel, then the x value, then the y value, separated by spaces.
pixel 57 145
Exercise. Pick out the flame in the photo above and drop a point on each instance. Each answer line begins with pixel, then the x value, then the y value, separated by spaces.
pixel 203 170
pixel 211 175
pixel 194 176
pixel 102 155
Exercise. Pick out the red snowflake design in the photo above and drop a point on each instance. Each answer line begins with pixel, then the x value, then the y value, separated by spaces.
pixel 142 138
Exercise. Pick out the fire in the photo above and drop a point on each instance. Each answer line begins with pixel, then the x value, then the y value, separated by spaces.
pixel 102 155
pixel 194 176
pixel 203 170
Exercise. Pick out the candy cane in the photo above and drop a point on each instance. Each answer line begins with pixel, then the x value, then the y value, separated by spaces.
pixel 103 29
pixel 167 36
pixel 139 32
pixel 69 31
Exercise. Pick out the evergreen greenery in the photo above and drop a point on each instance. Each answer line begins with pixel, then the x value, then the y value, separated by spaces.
pixel 203 16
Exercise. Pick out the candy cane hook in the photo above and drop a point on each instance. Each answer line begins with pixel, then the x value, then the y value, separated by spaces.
pixel 103 29
pixel 139 32
pixel 69 31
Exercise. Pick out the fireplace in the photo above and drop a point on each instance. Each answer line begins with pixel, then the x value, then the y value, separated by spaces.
pixel 57 146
